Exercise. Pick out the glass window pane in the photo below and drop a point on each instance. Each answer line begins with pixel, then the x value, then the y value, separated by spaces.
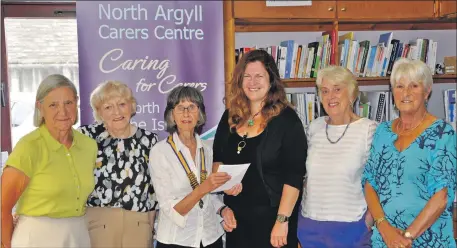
pixel 35 49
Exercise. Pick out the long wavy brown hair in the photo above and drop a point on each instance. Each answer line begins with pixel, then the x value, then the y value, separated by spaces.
pixel 238 103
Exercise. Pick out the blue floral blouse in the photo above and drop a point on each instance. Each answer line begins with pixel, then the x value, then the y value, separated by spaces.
pixel 405 181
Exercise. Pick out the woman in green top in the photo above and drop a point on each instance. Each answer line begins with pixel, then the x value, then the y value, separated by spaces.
pixel 49 174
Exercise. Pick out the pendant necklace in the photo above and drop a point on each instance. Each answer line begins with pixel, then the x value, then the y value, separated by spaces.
pixel 242 143
pixel 251 120
pixel 326 132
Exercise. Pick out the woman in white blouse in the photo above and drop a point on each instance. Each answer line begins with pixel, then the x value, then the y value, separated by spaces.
pixel 181 174
pixel 333 209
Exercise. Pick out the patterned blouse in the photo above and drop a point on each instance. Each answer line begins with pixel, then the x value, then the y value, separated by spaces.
pixel 405 181
pixel 122 177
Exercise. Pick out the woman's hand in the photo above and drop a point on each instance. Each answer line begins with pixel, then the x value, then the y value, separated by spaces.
pixel 393 237
pixel 15 219
pixel 214 181
pixel 229 222
pixel 369 221
pixel 279 234
pixel 235 190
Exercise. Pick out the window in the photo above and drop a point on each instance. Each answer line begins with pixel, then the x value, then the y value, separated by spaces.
pixel 36 48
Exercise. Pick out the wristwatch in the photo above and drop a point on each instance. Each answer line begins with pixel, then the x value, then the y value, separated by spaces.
pixel 282 218
pixel 221 209
pixel 408 235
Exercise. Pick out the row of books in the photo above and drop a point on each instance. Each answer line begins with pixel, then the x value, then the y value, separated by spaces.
pixel 296 60
pixel 375 105
pixel 307 106
pixel 360 57
pixel 377 60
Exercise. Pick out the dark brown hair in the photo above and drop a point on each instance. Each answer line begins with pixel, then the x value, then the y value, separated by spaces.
pixel 275 100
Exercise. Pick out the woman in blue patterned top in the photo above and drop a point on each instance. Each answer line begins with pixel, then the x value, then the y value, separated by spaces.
pixel 410 177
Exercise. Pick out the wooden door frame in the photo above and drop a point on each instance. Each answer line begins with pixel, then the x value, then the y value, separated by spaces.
pixel 5 123
pixel 40 10
pixel 23 10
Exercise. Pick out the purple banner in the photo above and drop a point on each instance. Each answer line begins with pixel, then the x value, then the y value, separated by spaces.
pixel 153 46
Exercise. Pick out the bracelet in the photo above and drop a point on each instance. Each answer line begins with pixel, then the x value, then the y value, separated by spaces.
pixel 378 221
pixel 221 209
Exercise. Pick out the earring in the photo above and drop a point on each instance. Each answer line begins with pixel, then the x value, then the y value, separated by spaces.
pixel 426 103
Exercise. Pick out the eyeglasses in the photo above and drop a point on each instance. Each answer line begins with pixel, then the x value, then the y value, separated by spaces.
pixel 191 109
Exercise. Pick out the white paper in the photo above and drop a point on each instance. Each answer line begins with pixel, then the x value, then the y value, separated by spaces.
pixel 237 172
pixel 278 3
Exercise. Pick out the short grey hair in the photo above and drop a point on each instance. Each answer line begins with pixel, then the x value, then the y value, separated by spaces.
pixel 338 75
pixel 413 70
pixel 183 93
pixel 48 84
pixel 107 90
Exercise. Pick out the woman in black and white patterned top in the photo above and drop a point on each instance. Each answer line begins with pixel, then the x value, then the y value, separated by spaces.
pixel 121 209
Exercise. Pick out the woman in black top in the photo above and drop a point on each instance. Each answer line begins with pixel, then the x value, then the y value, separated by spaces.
pixel 261 128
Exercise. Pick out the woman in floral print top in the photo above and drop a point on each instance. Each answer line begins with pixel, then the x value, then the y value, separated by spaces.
pixel 121 209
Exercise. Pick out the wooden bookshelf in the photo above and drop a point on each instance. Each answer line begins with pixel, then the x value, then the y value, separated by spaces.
pixel 338 15
pixel 313 25
pixel 374 15
pixel 253 16
pixel 367 81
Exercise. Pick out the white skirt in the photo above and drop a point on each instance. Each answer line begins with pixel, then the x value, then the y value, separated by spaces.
pixel 50 232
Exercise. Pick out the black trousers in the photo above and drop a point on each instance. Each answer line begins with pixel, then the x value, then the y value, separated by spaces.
pixel 217 244
pixel 254 225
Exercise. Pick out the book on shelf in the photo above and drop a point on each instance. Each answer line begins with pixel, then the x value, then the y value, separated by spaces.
pixel 450 64
pixel 450 107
